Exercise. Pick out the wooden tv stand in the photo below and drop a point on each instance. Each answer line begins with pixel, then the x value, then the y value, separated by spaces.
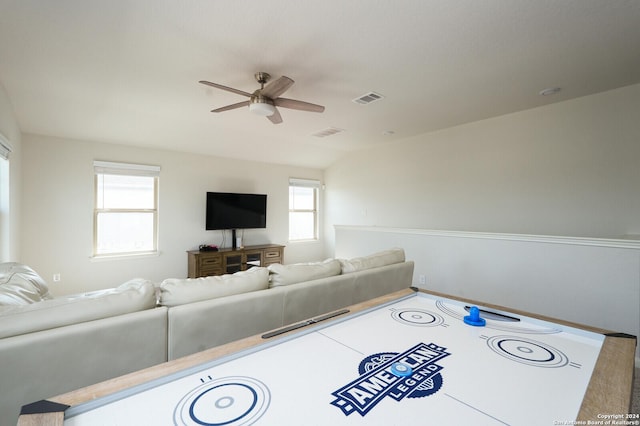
pixel 228 261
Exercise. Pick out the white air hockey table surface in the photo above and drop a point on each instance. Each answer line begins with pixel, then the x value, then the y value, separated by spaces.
pixel 407 359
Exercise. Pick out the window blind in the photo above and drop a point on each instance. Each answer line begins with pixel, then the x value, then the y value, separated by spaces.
pixel 305 183
pixel 111 168
pixel 5 147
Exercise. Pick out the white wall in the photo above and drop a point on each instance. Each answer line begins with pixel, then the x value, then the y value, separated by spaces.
pixel 588 281
pixel 570 168
pixel 10 226
pixel 567 169
pixel 58 205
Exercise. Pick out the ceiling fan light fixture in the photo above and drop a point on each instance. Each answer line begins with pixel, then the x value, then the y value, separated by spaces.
pixel 261 106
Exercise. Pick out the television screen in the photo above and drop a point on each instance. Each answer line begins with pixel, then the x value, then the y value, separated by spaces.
pixel 226 210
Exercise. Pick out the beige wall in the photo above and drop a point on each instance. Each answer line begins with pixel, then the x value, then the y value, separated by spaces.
pixel 571 168
pixel 58 205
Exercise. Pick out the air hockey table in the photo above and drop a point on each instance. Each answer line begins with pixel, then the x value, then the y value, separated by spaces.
pixel 411 357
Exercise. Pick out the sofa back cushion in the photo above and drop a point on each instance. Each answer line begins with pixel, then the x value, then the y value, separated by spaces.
pixel 197 326
pixel 376 260
pixel 178 291
pixel 134 295
pixel 372 283
pixel 313 298
pixel 300 272
pixel 36 366
pixel 21 285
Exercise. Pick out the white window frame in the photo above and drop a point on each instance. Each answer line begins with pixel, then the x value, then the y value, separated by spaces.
pixel 125 169
pixel 315 185
pixel 5 189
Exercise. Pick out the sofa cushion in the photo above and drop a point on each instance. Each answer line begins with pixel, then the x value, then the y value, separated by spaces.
pixel 178 291
pixel 300 272
pixel 134 295
pixel 383 258
pixel 21 285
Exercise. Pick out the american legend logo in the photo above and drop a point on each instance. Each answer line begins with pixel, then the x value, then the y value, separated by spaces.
pixel 412 374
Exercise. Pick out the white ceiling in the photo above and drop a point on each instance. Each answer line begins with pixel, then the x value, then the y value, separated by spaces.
pixel 127 71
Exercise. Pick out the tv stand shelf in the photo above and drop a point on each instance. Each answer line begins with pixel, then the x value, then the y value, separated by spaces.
pixel 228 261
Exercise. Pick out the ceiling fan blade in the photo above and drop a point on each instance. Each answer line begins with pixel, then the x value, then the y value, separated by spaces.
pixel 228 89
pixel 300 105
pixel 275 118
pixel 277 87
pixel 232 106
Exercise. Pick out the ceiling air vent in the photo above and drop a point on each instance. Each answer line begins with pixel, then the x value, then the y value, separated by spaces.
pixel 327 132
pixel 367 98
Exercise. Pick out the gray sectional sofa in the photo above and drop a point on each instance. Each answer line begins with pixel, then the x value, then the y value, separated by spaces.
pixel 51 345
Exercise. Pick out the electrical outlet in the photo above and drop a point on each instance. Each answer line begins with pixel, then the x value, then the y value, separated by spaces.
pixel 422 279
pixel 56 277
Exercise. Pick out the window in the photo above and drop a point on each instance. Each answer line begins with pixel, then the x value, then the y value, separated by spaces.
pixel 5 149
pixel 126 208
pixel 303 209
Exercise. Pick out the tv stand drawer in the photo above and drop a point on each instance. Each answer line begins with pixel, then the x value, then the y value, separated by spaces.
pixel 211 262
pixel 272 256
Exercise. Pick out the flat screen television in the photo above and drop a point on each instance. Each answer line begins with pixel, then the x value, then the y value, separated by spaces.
pixel 228 210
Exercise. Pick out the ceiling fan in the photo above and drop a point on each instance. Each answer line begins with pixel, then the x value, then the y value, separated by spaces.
pixel 265 99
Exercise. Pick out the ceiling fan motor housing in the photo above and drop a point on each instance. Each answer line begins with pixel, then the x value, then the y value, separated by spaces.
pixel 262 77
